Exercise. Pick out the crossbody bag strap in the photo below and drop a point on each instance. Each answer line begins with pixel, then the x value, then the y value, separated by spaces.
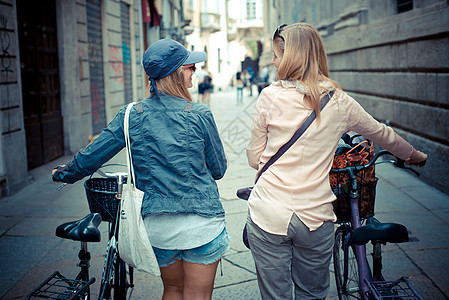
pixel 296 136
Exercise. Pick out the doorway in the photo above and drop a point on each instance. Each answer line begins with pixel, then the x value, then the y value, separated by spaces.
pixel 40 80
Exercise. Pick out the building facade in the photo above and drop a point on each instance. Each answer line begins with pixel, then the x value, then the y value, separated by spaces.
pixel 222 29
pixel 67 68
pixel 207 28
pixel 392 56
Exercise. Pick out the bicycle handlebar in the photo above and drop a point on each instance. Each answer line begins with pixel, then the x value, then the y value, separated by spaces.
pixel 117 175
pixel 112 174
pixel 351 170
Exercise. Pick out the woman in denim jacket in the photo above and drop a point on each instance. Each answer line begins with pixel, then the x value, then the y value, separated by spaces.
pixel 177 156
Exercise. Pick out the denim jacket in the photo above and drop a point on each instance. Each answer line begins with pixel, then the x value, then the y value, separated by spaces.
pixel 177 155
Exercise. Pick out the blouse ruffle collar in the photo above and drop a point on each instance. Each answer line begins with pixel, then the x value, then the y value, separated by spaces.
pixel 324 86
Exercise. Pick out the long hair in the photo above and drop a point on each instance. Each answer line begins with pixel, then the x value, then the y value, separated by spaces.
pixel 304 59
pixel 238 76
pixel 174 85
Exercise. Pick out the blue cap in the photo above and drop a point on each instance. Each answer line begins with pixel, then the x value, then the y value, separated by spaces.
pixel 165 56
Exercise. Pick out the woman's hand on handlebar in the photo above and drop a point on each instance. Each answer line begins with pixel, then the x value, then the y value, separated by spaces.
pixel 417 159
pixel 54 170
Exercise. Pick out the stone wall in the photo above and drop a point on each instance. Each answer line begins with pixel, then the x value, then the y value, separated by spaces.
pixel 397 67
pixel 13 155
pixel 74 73
pixel 115 60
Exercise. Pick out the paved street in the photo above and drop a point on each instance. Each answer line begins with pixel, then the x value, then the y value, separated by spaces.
pixel 30 252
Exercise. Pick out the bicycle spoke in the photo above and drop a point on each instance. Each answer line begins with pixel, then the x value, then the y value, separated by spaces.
pixel 347 284
pixel 109 269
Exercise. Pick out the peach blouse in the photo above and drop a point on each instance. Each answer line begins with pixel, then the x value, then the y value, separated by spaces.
pixel 298 182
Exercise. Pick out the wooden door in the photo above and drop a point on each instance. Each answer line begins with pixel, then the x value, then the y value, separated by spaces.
pixel 40 80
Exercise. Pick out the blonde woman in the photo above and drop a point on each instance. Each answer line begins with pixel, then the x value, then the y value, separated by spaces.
pixel 177 156
pixel 290 221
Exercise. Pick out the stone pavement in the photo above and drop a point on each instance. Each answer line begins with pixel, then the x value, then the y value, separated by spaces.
pixel 30 252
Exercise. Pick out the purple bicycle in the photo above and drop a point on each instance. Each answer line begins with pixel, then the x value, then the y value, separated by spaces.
pixel 355 277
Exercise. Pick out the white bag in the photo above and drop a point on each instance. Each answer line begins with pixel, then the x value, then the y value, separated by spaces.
pixel 133 243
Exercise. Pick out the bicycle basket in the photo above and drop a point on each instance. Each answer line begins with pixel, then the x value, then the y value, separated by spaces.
pixel 100 194
pixel 367 181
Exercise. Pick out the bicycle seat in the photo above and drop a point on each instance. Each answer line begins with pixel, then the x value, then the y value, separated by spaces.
pixel 84 230
pixel 375 230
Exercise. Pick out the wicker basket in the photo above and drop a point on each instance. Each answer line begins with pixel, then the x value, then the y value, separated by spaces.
pixel 100 194
pixel 367 195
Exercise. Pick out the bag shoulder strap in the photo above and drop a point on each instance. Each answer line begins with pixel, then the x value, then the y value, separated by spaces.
pixel 296 136
pixel 129 159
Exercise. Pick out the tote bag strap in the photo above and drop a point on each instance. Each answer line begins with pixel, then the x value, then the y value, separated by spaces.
pixel 129 159
pixel 296 136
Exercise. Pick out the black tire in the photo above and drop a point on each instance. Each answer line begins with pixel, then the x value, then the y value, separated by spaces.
pixel 120 280
pixel 350 288
pixel 108 272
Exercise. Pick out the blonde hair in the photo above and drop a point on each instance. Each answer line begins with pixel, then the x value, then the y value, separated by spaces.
pixel 304 59
pixel 174 85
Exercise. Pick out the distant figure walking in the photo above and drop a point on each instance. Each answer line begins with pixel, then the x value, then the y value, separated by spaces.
pixel 239 84
pixel 251 80
pixel 204 85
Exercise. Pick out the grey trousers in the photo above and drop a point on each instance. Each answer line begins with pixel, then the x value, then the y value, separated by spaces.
pixel 297 263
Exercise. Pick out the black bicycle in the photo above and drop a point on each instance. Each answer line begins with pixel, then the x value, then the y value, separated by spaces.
pixel 103 194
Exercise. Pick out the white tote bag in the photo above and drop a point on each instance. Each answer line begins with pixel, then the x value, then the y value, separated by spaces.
pixel 133 243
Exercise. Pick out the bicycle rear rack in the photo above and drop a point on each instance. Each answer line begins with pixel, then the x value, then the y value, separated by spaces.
pixel 60 287
pixel 399 289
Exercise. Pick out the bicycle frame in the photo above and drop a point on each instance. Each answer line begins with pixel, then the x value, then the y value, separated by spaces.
pixel 111 254
pixel 112 249
pixel 360 250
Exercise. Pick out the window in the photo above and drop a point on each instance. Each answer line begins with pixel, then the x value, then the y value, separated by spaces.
pixel 404 5
pixel 219 61
pixel 250 9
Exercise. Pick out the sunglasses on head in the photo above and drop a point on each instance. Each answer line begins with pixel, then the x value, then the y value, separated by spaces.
pixel 192 67
pixel 277 33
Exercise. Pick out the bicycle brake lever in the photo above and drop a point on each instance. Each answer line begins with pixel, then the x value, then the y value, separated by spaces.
pixel 102 173
pixel 61 186
pixel 401 164
pixel 422 163
pixel 413 171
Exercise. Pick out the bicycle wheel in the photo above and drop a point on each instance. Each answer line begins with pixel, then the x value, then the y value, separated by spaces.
pixel 120 280
pixel 108 271
pixel 346 287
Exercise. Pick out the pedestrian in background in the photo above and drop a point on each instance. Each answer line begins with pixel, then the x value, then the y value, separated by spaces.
pixel 204 85
pixel 208 88
pixel 263 79
pixel 291 220
pixel 251 80
pixel 177 156
pixel 239 83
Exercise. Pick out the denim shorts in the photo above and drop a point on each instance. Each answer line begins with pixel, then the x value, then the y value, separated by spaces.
pixel 205 254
